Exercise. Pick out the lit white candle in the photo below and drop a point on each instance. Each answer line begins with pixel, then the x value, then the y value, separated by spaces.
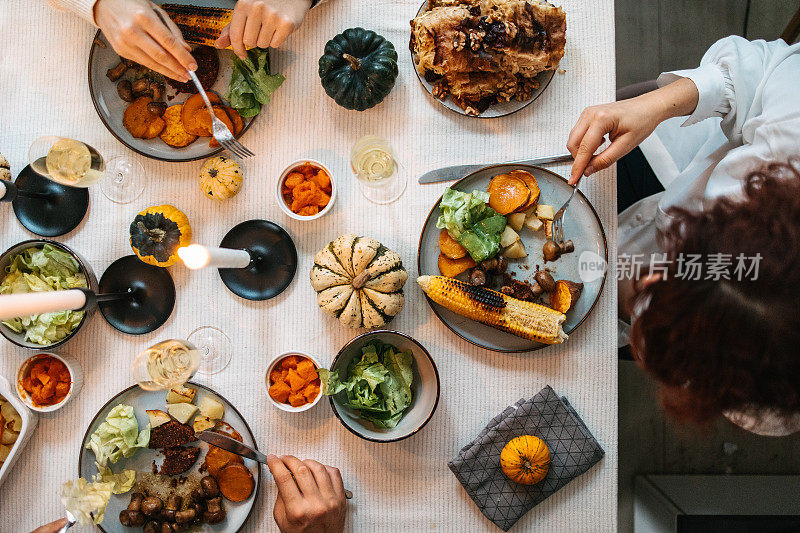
pixel 196 256
pixel 36 303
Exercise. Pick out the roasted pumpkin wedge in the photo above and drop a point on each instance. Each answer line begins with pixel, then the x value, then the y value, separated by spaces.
pixel 507 193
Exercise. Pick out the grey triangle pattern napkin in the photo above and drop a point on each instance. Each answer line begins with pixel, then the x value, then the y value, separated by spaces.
pixel 573 450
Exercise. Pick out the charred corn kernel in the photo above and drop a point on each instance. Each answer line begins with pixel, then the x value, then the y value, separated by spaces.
pixel 523 319
pixel 199 25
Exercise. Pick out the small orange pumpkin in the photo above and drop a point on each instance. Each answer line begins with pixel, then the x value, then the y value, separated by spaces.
pixel 525 459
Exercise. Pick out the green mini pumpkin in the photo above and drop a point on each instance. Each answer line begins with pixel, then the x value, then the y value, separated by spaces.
pixel 358 68
pixel 158 232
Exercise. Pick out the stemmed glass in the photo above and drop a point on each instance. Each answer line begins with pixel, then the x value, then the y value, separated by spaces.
pixel 376 168
pixel 173 362
pixel 76 164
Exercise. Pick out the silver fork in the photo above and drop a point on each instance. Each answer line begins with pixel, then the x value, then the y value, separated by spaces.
pixel 558 222
pixel 218 128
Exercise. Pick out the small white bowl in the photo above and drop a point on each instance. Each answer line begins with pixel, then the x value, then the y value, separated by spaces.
pixel 279 190
pixel 75 372
pixel 286 406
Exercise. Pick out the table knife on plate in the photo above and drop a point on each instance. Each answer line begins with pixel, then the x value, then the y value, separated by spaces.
pixel 456 172
pixel 234 446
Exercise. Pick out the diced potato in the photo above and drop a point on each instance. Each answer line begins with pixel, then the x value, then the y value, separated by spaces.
pixel 508 237
pixel 9 437
pixel 516 220
pixel 534 223
pixel 7 411
pixel 181 394
pixel 545 212
pixel 16 422
pixel 202 423
pixel 516 251
pixel 157 417
pixel 548 229
pixel 182 412
pixel 4 451
pixel 211 408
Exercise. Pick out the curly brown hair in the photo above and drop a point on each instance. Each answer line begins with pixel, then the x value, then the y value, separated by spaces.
pixel 729 345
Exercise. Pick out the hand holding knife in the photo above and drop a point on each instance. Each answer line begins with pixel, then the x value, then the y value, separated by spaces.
pixel 234 446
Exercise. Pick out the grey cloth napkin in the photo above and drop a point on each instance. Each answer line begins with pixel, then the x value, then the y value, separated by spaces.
pixel 573 450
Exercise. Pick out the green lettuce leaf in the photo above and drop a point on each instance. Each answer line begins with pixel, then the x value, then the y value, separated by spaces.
pixel 118 436
pixel 82 498
pixel 123 481
pixel 42 270
pixel 251 83
pixel 470 221
pixel 378 384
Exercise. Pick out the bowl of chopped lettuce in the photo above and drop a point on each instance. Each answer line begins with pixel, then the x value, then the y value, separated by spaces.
pixel 383 386
pixel 40 266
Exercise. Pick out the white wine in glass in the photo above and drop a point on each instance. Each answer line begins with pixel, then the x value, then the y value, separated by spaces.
pixel 166 364
pixel 374 164
pixel 76 164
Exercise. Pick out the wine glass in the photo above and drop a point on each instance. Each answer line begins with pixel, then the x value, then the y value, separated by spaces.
pixel 165 365
pixel 76 164
pixel 376 168
pixel 214 347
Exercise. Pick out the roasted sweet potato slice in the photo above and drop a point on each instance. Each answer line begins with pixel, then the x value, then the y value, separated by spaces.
pixel 190 108
pixel 530 181
pixel 203 120
pixel 564 295
pixel 236 119
pixel 138 120
pixel 174 134
pixel 507 193
pixel 449 246
pixel 453 267
pixel 217 459
pixel 236 482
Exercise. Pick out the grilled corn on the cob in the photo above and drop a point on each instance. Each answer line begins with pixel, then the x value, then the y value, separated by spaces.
pixel 521 318
pixel 198 24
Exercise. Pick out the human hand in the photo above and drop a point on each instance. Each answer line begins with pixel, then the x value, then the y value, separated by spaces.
pixel 262 23
pixel 311 501
pixel 627 123
pixel 136 32
pixel 52 527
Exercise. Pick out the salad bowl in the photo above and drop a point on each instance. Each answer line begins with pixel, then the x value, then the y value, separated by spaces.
pixel 5 262
pixel 424 388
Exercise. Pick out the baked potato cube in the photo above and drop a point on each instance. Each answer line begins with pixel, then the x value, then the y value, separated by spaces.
pixel 202 423
pixel 545 212
pixel 10 437
pixel 516 220
pixel 182 412
pixel 508 237
pixel 4 451
pixel 534 223
pixel 181 394
pixel 157 417
pixel 516 251
pixel 211 408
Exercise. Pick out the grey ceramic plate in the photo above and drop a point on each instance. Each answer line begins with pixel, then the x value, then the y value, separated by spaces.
pixel 142 461
pixel 110 106
pixel 581 225
pixel 497 110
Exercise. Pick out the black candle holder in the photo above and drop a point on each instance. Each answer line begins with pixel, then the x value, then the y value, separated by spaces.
pixel 273 260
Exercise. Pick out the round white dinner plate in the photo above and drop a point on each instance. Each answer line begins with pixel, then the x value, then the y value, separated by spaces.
pixel 499 109
pixel 581 225
pixel 142 461
pixel 110 106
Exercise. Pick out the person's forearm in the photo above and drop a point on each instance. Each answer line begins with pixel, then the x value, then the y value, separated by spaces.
pixel 678 99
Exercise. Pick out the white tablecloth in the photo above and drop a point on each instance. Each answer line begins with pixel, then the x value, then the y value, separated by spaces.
pixel 404 486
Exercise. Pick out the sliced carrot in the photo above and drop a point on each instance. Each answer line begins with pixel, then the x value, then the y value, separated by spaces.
pixel 449 246
pixel 507 193
pixel 453 267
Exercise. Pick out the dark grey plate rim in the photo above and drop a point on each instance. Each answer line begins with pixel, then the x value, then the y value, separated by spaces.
pixel 211 153
pixel 435 371
pixel 539 346
pixel 209 389
pixel 463 113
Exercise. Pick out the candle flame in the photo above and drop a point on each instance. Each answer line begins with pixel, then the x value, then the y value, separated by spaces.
pixel 194 256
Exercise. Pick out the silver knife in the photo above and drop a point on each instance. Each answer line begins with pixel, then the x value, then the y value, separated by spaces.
pixel 234 446
pixel 456 172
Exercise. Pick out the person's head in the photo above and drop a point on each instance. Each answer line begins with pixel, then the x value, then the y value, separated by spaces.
pixel 719 345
